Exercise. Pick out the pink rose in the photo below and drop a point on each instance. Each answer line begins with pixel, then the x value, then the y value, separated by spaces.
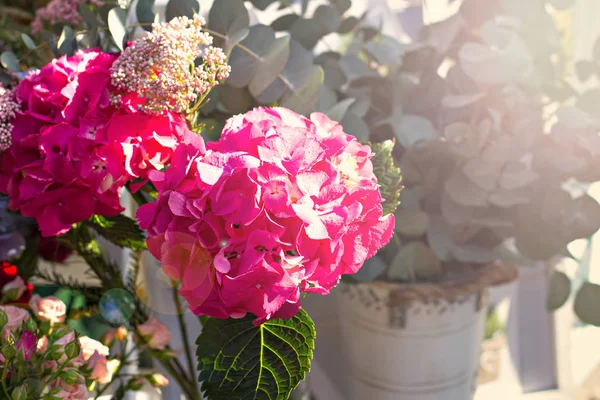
pixel 14 289
pixel 90 346
pixel 69 392
pixel 16 317
pixel 49 308
pixel 42 345
pixel 279 205
pixel 98 364
pixel 155 333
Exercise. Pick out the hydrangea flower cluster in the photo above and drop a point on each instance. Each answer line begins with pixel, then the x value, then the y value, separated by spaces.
pixel 156 73
pixel 60 11
pixel 72 151
pixel 8 107
pixel 279 205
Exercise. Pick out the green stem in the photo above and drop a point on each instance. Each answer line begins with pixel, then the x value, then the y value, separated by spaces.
pixel 54 376
pixel 4 373
pixel 184 333
pixel 123 362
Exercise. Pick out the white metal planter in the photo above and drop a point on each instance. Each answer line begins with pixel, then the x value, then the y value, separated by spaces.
pixel 422 350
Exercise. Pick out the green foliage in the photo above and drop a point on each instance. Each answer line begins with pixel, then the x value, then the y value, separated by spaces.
pixel 493 325
pixel 238 360
pixel 559 290
pixel 586 303
pixel 119 230
pixel 388 175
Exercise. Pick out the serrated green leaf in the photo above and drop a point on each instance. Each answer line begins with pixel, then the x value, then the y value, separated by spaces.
pixel 66 42
pixel 388 175
pixel 144 12
pixel 180 8
pixel 117 25
pixel 28 41
pixel 9 60
pixel 119 230
pixel 559 290
pixel 586 303
pixel 271 64
pixel 238 360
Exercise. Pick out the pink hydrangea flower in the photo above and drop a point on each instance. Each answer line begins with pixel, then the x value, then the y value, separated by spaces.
pixel 72 151
pixel 279 205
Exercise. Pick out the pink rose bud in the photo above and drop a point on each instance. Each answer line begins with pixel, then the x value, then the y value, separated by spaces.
pixel 48 308
pixel 158 380
pixel 156 335
pixel 42 345
pixel 121 333
pixel 14 290
pixel 16 317
pixel 27 344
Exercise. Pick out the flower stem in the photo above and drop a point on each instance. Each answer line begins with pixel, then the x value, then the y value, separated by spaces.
pixel 184 334
pixel 4 373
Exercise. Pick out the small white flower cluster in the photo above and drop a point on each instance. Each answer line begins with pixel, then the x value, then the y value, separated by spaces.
pixel 160 67
pixel 8 107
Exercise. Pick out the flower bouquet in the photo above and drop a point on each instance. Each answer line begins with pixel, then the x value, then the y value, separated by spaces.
pixel 280 206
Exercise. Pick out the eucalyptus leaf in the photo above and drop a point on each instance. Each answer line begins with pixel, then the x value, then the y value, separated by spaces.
pixel 372 269
pixel 144 12
pixel 28 41
pixel 239 360
pixel 342 5
pixel 414 129
pixel 262 4
pixel 586 303
pixel 296 74
pixel 328 18
pixel 415 259
pixel 354 68
pixel 235 100
pixel 303 100
pixel 348 24
pixel 243 64
pixel 385 50
pixel 355 125
pixel 307 32
pixel 89 18
pixel 183 8
pixel 559 290
pixel 228 17
pixel 271 64
pixel 411 223
pixel 117 25
pixel 9 60
pixel 327 99
pixel 285 22
pixel 338 111
pixel 465 192
pixel 439 236
pixel 66 42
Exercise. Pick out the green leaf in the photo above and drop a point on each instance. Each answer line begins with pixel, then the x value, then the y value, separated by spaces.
pixel 355 125
pixel 307 32
pixel 227 17
pixel 285 22
pixel 235 100
pixel 304 100
pixel 328 18
pixel 28 41
pixel 238 360
pixel 243 64
pixel 342 5
pixel 66 42
pixel 415 260
pixel 338 111
pixel 348 25
pixel 89 18
pixel 586 303
pixel 413 129
pixel 271 64
pixel 262 4
pixel 411 223
pixel 9 60
pixel 388 175
pixel 3 319
pixel 559 290
pixel 144 12
pixel 117 25
pixel 119 230
pixel 180 8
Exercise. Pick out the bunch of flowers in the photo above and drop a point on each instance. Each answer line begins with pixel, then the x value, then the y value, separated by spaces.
pixel 156 73
pixel 8 107
pixel 279 205
pixel 43 358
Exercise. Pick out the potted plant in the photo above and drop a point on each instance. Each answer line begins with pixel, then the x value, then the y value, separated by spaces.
pixel 479 108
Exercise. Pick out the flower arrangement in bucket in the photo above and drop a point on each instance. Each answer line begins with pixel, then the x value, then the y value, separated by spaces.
pixel 279 206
